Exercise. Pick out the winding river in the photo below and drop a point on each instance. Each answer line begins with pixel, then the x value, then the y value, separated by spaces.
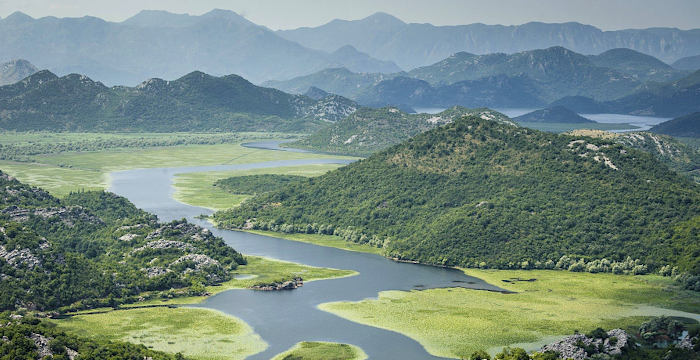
pixel 284 318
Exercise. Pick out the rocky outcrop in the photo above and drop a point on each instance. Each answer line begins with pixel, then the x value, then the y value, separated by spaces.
pixel 581 347
pixel 19 257
pixel 165 244
pixel 200 261
pixel 69 215
pixel 154 271
pixel 284 285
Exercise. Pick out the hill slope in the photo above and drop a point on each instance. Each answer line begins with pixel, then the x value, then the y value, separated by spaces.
pixel 691 63
pixel 370 130
pixel 478 191
pixel 641 66
pixel 684 126
pixel 555 114
pixel 91 246
pixel 196 101
pixel 15 70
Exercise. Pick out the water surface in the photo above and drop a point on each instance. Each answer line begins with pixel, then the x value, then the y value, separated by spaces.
pixel 284 318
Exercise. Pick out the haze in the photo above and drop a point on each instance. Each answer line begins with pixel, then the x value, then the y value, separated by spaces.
pixel 279 14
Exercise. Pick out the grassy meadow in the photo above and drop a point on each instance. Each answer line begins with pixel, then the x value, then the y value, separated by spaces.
pixel 200 334
pixel 322 351
pixel 456 322
pixel 198 188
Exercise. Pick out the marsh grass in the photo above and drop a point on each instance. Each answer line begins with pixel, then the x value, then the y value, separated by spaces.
pixel 456 322
pixel 198 188
pixel 322 351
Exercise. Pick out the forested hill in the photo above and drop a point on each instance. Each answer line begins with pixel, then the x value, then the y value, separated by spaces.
pixel 684 126
pixel 197 101
pixel 480 193
pixel 95 249
pixel 369 130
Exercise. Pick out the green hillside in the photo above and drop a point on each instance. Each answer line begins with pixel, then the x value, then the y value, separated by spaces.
pixel 684 126
pixel 95 249
pixel 642 66
pixel 196 101
pixel 369 130
pixel 480 193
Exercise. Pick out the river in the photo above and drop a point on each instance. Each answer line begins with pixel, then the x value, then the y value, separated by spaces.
pixel 284 318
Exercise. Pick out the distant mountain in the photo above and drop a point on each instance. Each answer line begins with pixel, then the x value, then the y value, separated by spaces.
pixel 196 101
pixel 347 56
pixel 669 99
pixel 556 70
pixel 555 114
pixel 369 130
pixel 494 91
pixel 15 70
pixel 165 45
pixel 339 81
pixel 316 93
pixel 641 66
pixel 691 63
pixel 684 126
pixel 480 193
pixel 525 79
pixel 413 45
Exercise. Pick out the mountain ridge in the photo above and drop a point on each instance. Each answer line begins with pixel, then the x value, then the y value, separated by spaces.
pixel 196 101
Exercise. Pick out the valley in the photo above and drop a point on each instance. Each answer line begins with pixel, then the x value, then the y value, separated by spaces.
pixel 284 180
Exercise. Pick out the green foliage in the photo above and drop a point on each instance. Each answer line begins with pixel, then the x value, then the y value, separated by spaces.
pixel 257 184
pixel 512 354
pixel 661 329
pixel 97 249
pixel 478 191
pixel 480 355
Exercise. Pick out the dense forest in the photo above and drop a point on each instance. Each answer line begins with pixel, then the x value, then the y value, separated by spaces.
pixel 369 130
pixel 256 184
pixel 484 194
pixel 97 249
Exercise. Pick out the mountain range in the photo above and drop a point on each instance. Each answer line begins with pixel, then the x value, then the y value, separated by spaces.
pixel 197 101
pixel 165 45
pixel 411 45
pixel 526 79
pixel 161 44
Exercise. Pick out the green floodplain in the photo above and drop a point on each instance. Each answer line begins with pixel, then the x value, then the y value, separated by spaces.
pixel 447 322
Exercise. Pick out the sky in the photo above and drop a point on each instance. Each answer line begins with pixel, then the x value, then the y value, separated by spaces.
pixel 289 14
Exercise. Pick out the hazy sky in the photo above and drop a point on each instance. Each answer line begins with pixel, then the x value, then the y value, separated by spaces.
pixel 285 14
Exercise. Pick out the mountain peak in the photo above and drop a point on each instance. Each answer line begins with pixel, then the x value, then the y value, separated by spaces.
pixel 383 18
pixel 18 17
